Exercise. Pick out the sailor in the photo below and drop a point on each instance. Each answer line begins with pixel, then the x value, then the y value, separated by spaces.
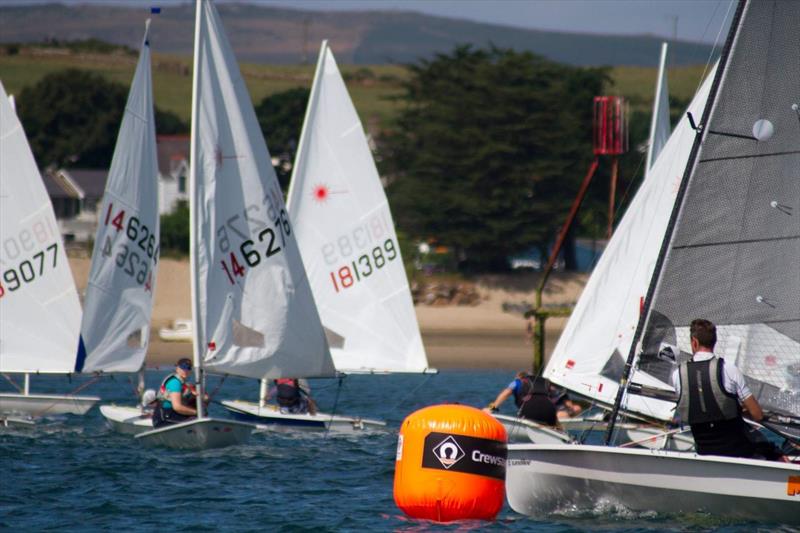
pixel 531 397
pixel 710 392
pixel 176 398
pixel 294 396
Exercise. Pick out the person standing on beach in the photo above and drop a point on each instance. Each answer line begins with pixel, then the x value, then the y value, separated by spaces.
pixel 711 396
pixel 531 396
pixel 176 398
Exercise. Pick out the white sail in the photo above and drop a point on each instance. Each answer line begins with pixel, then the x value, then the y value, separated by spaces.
pixel 254 311
pixel 591 351
pixel 659 125
pixel 119 298
pixel 346 235
pixel 40 312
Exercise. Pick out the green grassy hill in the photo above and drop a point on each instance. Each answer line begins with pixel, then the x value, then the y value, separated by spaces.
pixel 372 87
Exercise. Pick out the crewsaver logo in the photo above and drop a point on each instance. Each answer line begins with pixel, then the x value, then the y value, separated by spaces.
pixel 463 453
pixel 448 452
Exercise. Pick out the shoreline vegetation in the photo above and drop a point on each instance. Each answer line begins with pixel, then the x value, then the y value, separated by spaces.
pixel 455 336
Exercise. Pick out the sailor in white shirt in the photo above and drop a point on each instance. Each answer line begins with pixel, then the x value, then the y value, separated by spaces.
pixel 710 393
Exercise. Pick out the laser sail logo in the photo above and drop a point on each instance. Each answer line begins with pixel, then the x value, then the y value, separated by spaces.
pixel 448 452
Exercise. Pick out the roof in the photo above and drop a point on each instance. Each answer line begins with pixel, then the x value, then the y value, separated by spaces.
pixel 75 183
pixel 171 149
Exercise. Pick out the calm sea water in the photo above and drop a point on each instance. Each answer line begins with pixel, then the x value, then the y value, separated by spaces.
pixel 72 473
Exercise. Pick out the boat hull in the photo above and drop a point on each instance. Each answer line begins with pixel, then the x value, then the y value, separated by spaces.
pixel 198 434
pixel 520 430
pixel 36 405
pixel 126 420
pixel 545 478
pixel 272 417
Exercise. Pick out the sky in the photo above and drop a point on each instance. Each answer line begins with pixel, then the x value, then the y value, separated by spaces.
pixel 694 20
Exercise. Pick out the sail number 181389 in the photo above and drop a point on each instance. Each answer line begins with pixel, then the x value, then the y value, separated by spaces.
pixel 364 266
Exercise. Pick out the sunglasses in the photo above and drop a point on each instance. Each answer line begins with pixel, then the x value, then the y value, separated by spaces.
pixel 188 368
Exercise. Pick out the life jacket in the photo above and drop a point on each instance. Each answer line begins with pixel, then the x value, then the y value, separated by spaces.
pixel 529 386
pixel 711 411
pixel 288 392
pixel 187 391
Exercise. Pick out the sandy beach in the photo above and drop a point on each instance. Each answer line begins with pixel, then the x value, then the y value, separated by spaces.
pixel 480 336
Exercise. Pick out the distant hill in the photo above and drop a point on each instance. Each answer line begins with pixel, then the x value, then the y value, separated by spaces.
pixel 262 34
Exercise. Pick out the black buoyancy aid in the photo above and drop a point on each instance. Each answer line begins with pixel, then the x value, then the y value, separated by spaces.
pixel 711 411
pixel 186 391
pixel 529 386
pixel 288 392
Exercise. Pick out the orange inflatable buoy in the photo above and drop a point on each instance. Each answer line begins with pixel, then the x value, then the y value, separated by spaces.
pixel 450 464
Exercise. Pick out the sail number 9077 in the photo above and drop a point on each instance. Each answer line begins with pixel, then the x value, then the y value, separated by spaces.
pixel 363 267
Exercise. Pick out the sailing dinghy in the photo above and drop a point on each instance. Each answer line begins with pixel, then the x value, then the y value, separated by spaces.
pixel 344 228
pixel 253 310
pixel 39 304
pixel 729 254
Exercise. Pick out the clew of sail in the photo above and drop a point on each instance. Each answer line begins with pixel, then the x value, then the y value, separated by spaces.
pixel 40 312
pixel 589 356
pixel 659 125
pixel 346 235
pixel 254 311
pixel 119 296
pixel 733 255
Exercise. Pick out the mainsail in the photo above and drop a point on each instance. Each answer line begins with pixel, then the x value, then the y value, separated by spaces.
pixel 119 297
pixel 659 125
pixel 589 355
pixel 40 312
pixel 254 312
pixel 733 254
pixel 346 235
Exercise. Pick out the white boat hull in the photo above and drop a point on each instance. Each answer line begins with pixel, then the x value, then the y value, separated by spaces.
pixel 657 438
pixel 272 417
pixel 127 420
pixel 37 405
pixel 521 430
pixel 546 478
pixel 198 434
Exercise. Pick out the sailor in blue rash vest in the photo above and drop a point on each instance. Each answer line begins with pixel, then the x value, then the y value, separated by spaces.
pixel 710 392
pixel 176 398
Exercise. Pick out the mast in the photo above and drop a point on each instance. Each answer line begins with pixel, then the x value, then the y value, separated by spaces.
pixel 654 122
pixel 198 333
pixel 690 166
pixel 304 133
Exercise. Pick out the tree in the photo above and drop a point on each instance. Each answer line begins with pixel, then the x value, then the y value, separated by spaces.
pixel 72 118
pixel 281 119
pixel 488 150
pixel 175 230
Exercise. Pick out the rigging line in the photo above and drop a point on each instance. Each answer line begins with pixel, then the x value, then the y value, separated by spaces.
pixel 740 241
pixel 216 389
pixel 414 390
pixel 716 40
pixel 13 383
pixel 753 156
pixel 333 410
pixel 97 378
